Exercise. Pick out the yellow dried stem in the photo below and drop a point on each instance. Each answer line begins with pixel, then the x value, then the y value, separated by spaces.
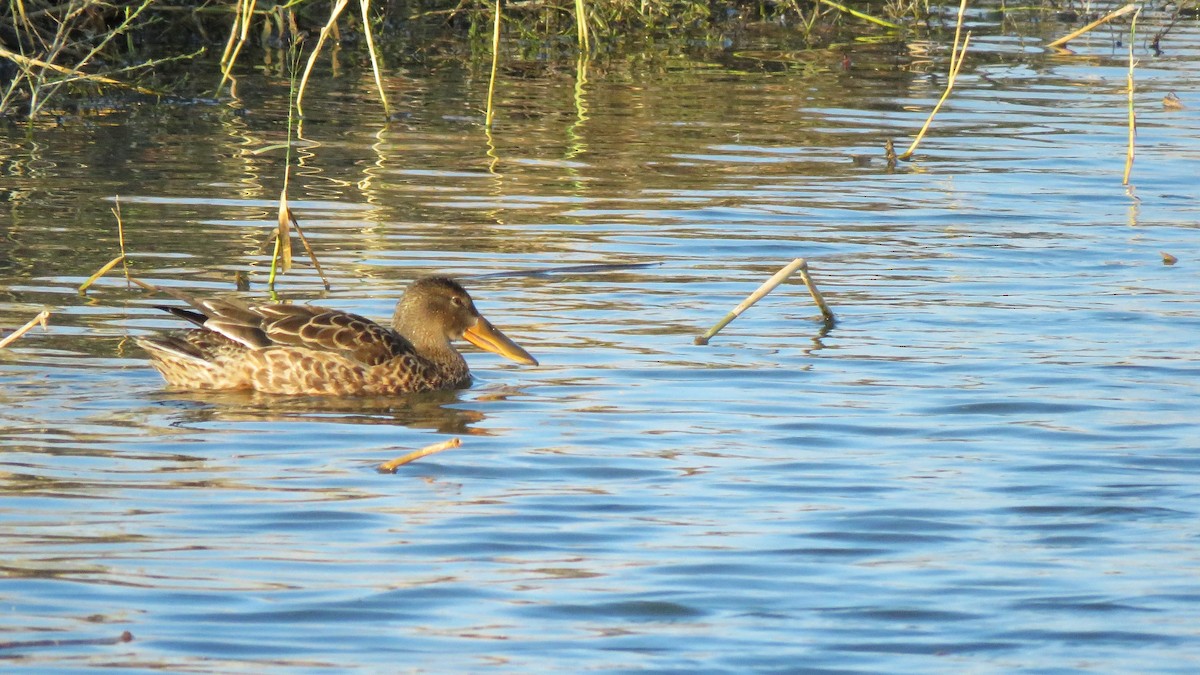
pixel 11 337
pixel 390 467
pixel 312 58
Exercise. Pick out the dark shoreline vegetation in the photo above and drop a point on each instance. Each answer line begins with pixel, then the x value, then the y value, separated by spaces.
pixel 60 56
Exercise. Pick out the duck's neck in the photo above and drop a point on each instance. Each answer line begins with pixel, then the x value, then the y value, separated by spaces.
pixel 430 345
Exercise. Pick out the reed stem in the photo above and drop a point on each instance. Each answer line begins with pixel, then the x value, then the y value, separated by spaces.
pixel 1130 87
pixel 1098 22
pixel 956 61
pixel 762 291
pixel 488 115
pixel 12 337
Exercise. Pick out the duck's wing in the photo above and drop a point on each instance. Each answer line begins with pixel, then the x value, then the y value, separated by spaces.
pixel 328 330
pixel 315 328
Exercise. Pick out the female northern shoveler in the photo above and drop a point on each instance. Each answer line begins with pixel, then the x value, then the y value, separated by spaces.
pixel 300 349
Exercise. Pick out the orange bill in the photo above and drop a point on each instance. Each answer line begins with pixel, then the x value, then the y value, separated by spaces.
pixel 487 337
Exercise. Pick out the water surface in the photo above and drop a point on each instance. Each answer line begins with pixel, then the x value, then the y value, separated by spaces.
pixel 988 464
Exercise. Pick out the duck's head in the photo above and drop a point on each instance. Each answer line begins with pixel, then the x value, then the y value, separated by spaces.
pixel 437 310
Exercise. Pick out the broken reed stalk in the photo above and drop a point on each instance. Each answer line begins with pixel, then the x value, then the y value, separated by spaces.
pixel 1132 114
pixel 308 249
pixel 826 313
pixel 490 113
pixel 391 466
pixel 956 60
pixel 768 286
pixel 281 258
pixel 1098 22
pixel 11 337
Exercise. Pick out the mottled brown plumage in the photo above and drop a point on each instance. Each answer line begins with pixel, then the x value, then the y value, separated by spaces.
pixel 306 350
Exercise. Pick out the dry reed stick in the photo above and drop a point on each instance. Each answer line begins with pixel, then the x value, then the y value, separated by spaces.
pixel 768 286
pixel 826 313
pixel 1132 114
pixel 308 249
pixel 391 466
pixel 956 60
pixel 27 62
pixel 487 117
pixel 1098 22
pixel 101 272
pixel 11 337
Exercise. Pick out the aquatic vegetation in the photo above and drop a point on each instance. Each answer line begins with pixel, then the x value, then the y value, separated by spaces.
pixel 85 49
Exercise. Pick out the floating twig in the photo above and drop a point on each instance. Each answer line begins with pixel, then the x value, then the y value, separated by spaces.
pixel 956 61
pixel 391 466
pixel 11 337
pixel 1098 22
pixel 767 287
pixel 29 644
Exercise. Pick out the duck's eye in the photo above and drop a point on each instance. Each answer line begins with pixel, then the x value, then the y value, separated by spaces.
pixel 456 301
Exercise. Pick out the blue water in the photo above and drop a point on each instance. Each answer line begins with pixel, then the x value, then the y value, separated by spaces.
pixel 989 464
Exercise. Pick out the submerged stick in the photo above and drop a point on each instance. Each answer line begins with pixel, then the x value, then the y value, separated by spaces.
pixel 390 467
pixel 956 60
pixel 767 287
pixel 11 337
pixel 1098 22
pixel 1132 114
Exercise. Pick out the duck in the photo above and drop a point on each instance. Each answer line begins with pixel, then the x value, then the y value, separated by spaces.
pixel 305 350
